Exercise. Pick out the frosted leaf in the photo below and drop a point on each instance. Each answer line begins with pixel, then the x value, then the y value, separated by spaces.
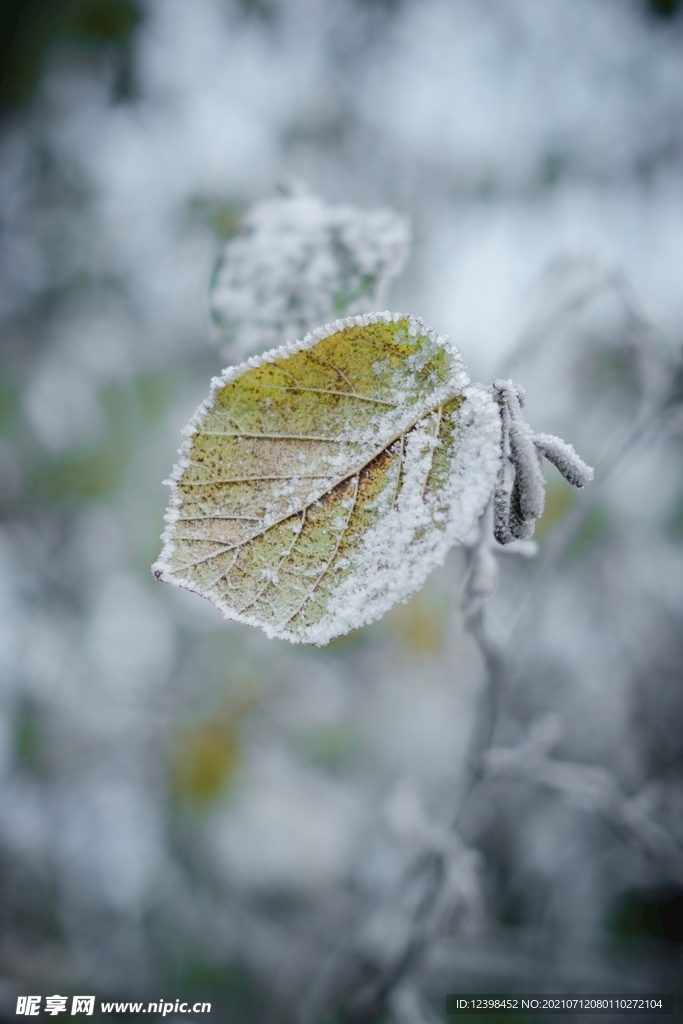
pixel 297 263
pixel 322 482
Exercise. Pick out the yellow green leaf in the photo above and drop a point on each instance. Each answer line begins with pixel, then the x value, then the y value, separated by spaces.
pixel 322 482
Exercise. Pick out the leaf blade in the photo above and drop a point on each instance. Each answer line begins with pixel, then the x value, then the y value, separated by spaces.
pixel 361 487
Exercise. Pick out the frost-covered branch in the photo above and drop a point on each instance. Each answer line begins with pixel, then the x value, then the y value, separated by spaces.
pixel 590 787
pixel 436 886
pixel 480 584
pixel 482 561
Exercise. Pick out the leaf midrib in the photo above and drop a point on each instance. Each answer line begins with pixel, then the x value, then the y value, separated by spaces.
pixel 305 476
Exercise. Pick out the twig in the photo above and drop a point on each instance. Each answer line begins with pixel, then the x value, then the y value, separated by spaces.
pixel 487 711
pixel 590 787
